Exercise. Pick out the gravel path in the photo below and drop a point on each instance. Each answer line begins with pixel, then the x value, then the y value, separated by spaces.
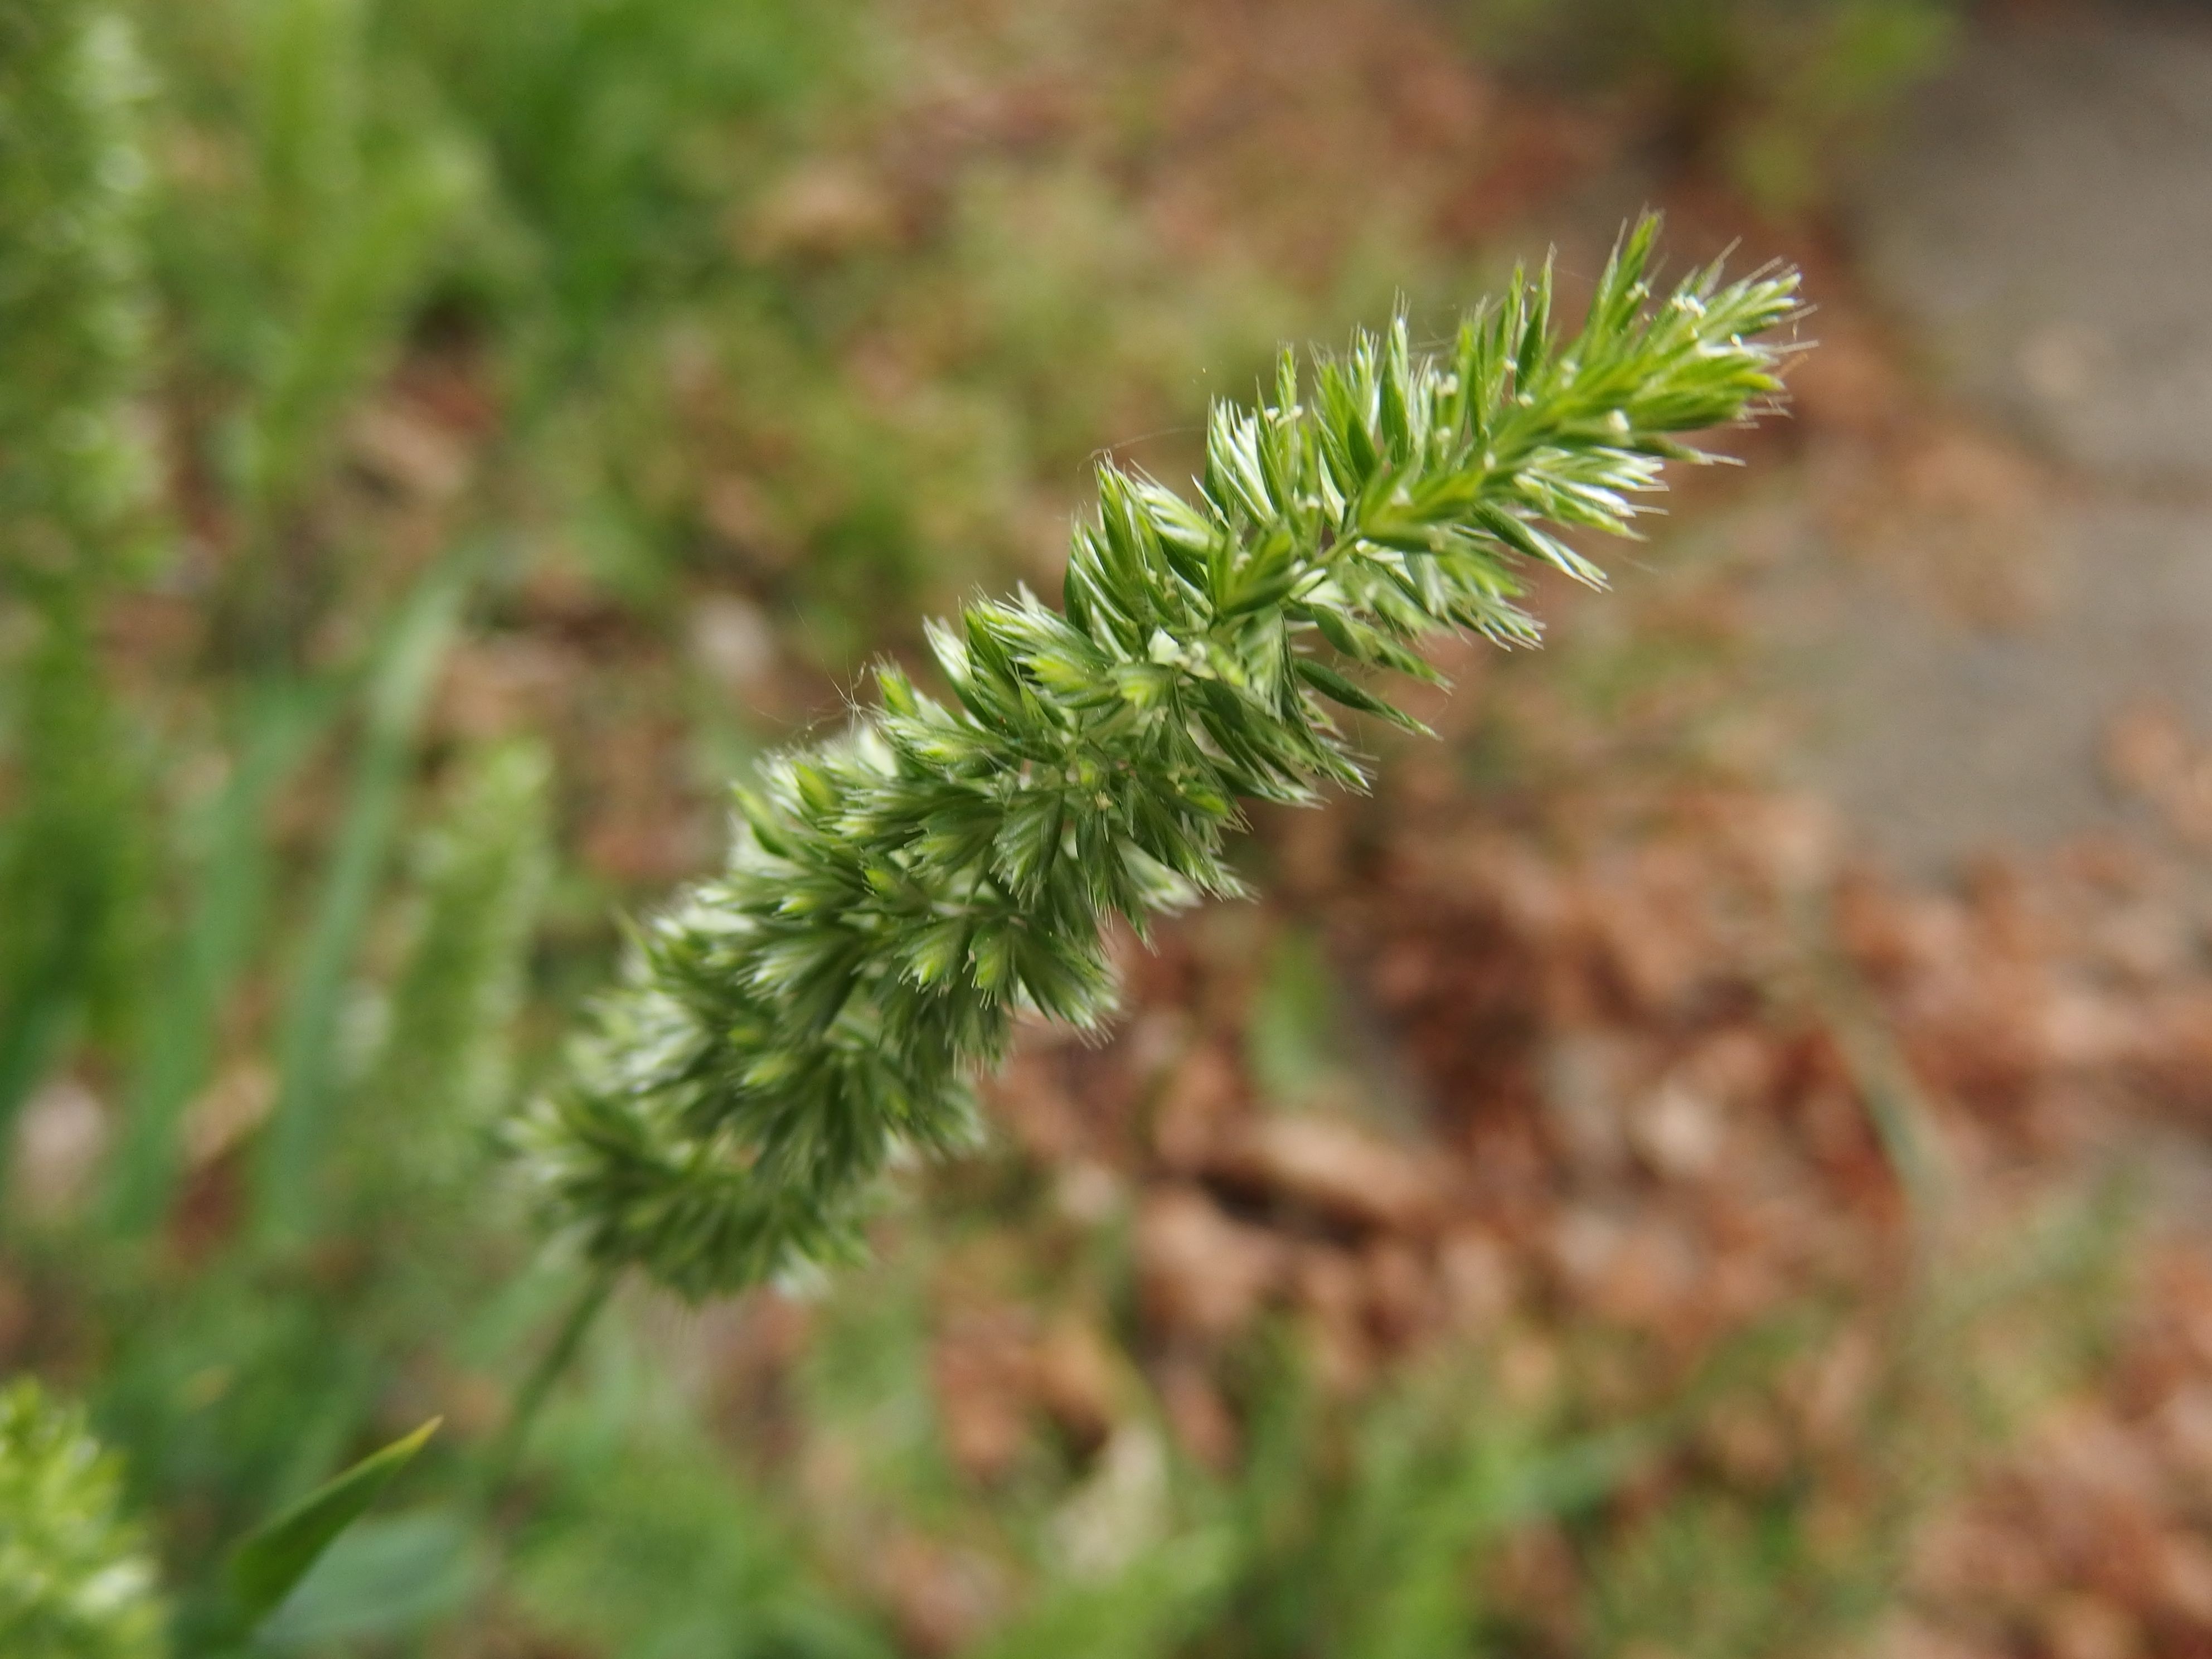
pixel 2039 232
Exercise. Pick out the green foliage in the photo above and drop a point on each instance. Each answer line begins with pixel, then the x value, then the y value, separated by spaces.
pixel 75 1582
pixel 238 1388
pixel 662 1551
pixel 287 227
pixel 278 1554
pixel 1157 1605
pixel 75 1579
pixel 294 264
pixel 73 863
pixel 419 1117
pixel 1378 1527
pixel 1732 1580
pixel 71 351
pixel 70 181
pixel 230 1392
pixel 399 685
pixel 225 866
pixel 898 894
pixel 606 125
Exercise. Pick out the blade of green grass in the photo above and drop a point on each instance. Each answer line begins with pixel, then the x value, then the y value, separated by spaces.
pixel 422 1112
pixel 399 687
pixel 71 860
pixel 229 909
pixel 275 1558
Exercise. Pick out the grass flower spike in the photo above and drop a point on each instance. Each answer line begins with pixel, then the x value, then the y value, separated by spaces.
pixel 75 1582
pixel 898 894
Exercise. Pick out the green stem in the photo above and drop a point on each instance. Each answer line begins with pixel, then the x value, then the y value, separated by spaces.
pixel 505 1454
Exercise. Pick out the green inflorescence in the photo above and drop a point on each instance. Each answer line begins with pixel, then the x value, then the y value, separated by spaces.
pixel 72 338
pixel 74 1581
pixel 70 178
pixel 898 893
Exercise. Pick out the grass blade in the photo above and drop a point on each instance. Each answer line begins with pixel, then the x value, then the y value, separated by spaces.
pixel 277 1555
pixel 228 910
pixel 398 689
